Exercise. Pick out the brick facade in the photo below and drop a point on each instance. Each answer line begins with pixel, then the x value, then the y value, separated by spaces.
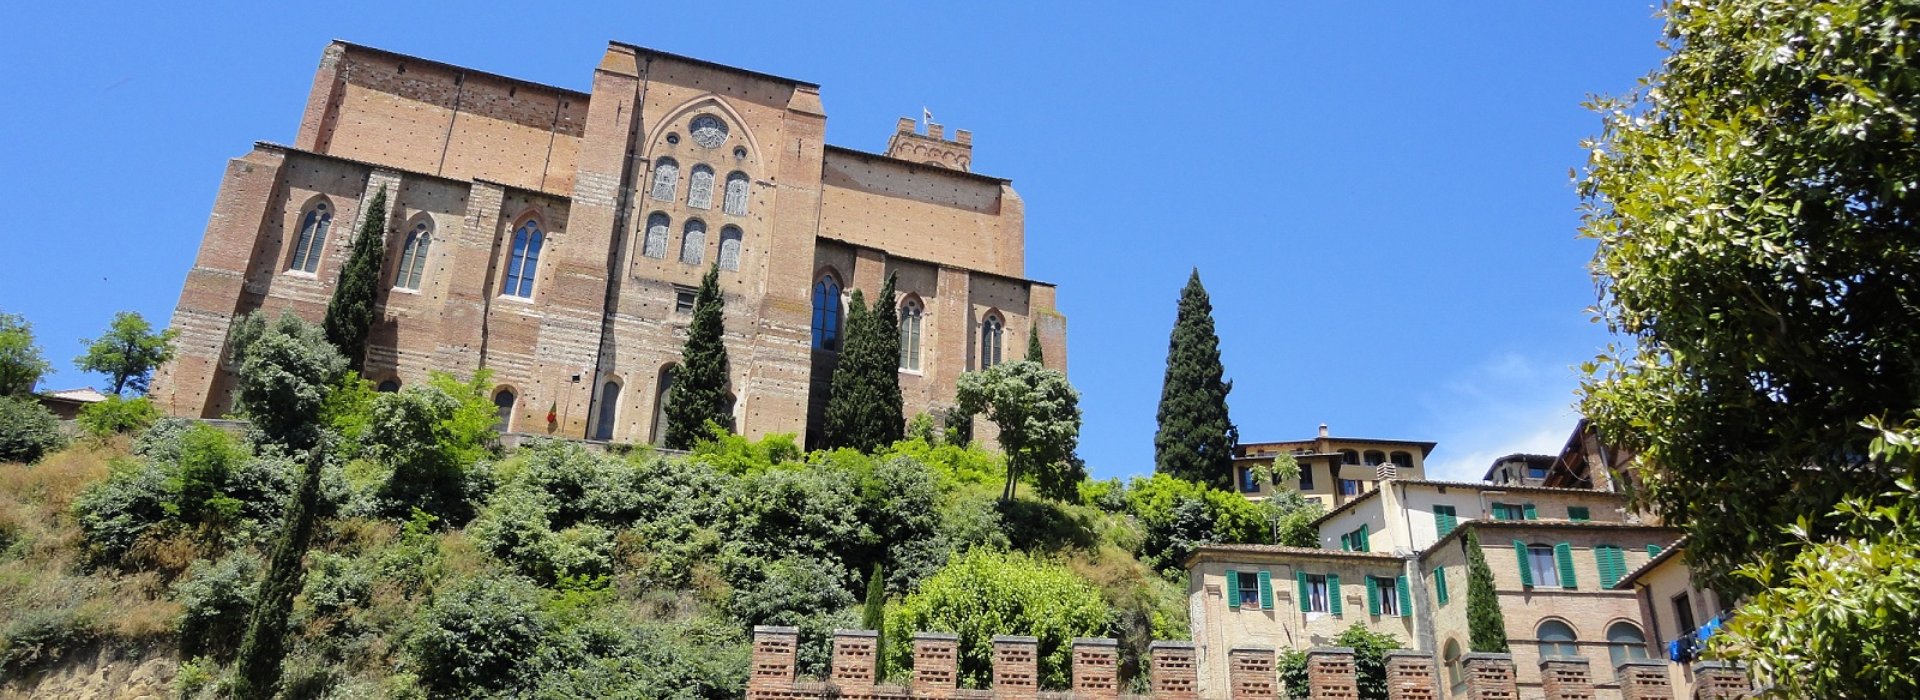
pixel 475 157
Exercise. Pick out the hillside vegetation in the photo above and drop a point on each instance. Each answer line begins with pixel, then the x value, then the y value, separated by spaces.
pixel 443 567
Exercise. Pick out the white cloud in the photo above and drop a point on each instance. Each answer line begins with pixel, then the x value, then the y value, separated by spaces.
pixel 1511 403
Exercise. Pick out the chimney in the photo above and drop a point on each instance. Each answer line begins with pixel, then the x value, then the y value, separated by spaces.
pixel 1323 430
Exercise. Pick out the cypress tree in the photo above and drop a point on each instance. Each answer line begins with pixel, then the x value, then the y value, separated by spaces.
pixel 350 311
pixel 1196 437
pixel 699 391
pixel 1034 353
pixel 890 418
pixel 858 412
pixel 874 617
pixel 1486 626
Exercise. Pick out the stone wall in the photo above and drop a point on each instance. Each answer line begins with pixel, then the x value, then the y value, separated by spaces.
pixel 1172 675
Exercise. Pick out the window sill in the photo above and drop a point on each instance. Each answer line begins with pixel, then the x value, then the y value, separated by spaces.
pixel 404 290
pixel 913 372
pixel 515 299
pixel 301 274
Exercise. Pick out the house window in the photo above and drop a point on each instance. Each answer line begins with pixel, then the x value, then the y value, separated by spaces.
pixel 1536 470
pixel 413 256
pixel 1317 597
pixel 1402 459
pixel 826 313
pixel 912 315
pixel 700 187
pixel 1557 639
pixel 1306 476
pixel 661 386
pixel 503 401
pixel 1612 564
pixel 1456 678
pixel 1247 589
pixel 1579 514
pixel 1375 457
pixel 658 226
pixel 1514 511
pixel 736 202
pixel 1683 615
pixel 1444 520
pixel 1349 457
pixel 730 248
pixel 312 238
pixel 1356 541
pixel 1249 481
pixel 1625 642
pixel 1440 594
pixel 992 331
pixel 525 260
pixel 683 299
pixel 1383 593
pixel 693 242
pixel 1349 487
pixel 1542 565
pixel 666 178
pixel 609 409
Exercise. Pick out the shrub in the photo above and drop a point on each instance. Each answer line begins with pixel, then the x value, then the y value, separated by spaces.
pixel 117 512
pixel 335 585
pixel 431 435
pixel 477 635
pixel 37 637
pixel 215 598
pixel 981 594
pixel 27 430
pixel 698 660
pixel 117 416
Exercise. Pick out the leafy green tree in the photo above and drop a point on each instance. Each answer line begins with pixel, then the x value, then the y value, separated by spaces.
pixel 430 435
pixel 1842 617
pixel 285 371
pixel 117 416
pixel 1486 625
pixel 20 361
pixel 1196 437
pixel 699 392
pixel 863 402
pixel 1753 204
pixel 350 311
pixel 985 593
pixel 127 353
pixel 1369 663
pixel 1034 352
pixel 1179 515
pixel 28 430
pixel 474 638
pixel 1038 414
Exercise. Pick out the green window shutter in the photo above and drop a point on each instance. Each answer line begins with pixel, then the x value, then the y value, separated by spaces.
pixel 1444 520
pixel 1532 513
pixel 1526 571
pixel 1440 584
pixel 1563 554
pixel 1266 590
pixel 1233 589
pixel 1405 595
pixel 1333 594
pixel 1500 511
pixel 1653 550
pixel 1300 588
pixel 1373 596
pixel 1365 545
pixel 1579 514
pixel 1610 563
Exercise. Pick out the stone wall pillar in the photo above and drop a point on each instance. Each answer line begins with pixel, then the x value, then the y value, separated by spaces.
pixel 1016 670
pixel 1411 676
pixel 774 659
pixel 1176 671
pixel 935 665
pixel 1096 669
pixel 1566 678
pixel 1330 674
pixel 1491 677
pixel 1644 679
pixel 1718 679
pixel 855 653
pixel 1250 671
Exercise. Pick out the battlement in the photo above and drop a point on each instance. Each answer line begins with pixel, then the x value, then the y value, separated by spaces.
pixel 1173 674
pixel 932 147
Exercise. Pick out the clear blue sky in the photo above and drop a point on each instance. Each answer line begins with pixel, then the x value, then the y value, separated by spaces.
pixel 1376 194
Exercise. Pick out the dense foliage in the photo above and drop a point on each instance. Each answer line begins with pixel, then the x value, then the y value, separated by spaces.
pixel 1038 414
pixel 1196 436
pixel 983 594
pixel 21 363
pixel 699 394
pixel 1754 205
pixel 27 430
pixel 1369 663
pixel 864 410
pixel 127 353
pixel 118 416
pixel 350 310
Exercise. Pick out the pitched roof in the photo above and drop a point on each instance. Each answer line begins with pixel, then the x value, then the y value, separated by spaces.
pixel 1480 485
pixel 1626 582
pixel 85 394
pixel 1217 551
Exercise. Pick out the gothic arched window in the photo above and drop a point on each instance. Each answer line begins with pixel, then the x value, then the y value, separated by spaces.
pixel 524 262
pixel 657 232
pixel 413 256
pixel 660 387
pixel 826 313
pixel 736 193
pixel 666 177
pixel 503 401
pixel 693 243
pixel 609 409
pixel 312 238
pixel 912 313
pixel 993 331
pixel 730 248
pixel 700 187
